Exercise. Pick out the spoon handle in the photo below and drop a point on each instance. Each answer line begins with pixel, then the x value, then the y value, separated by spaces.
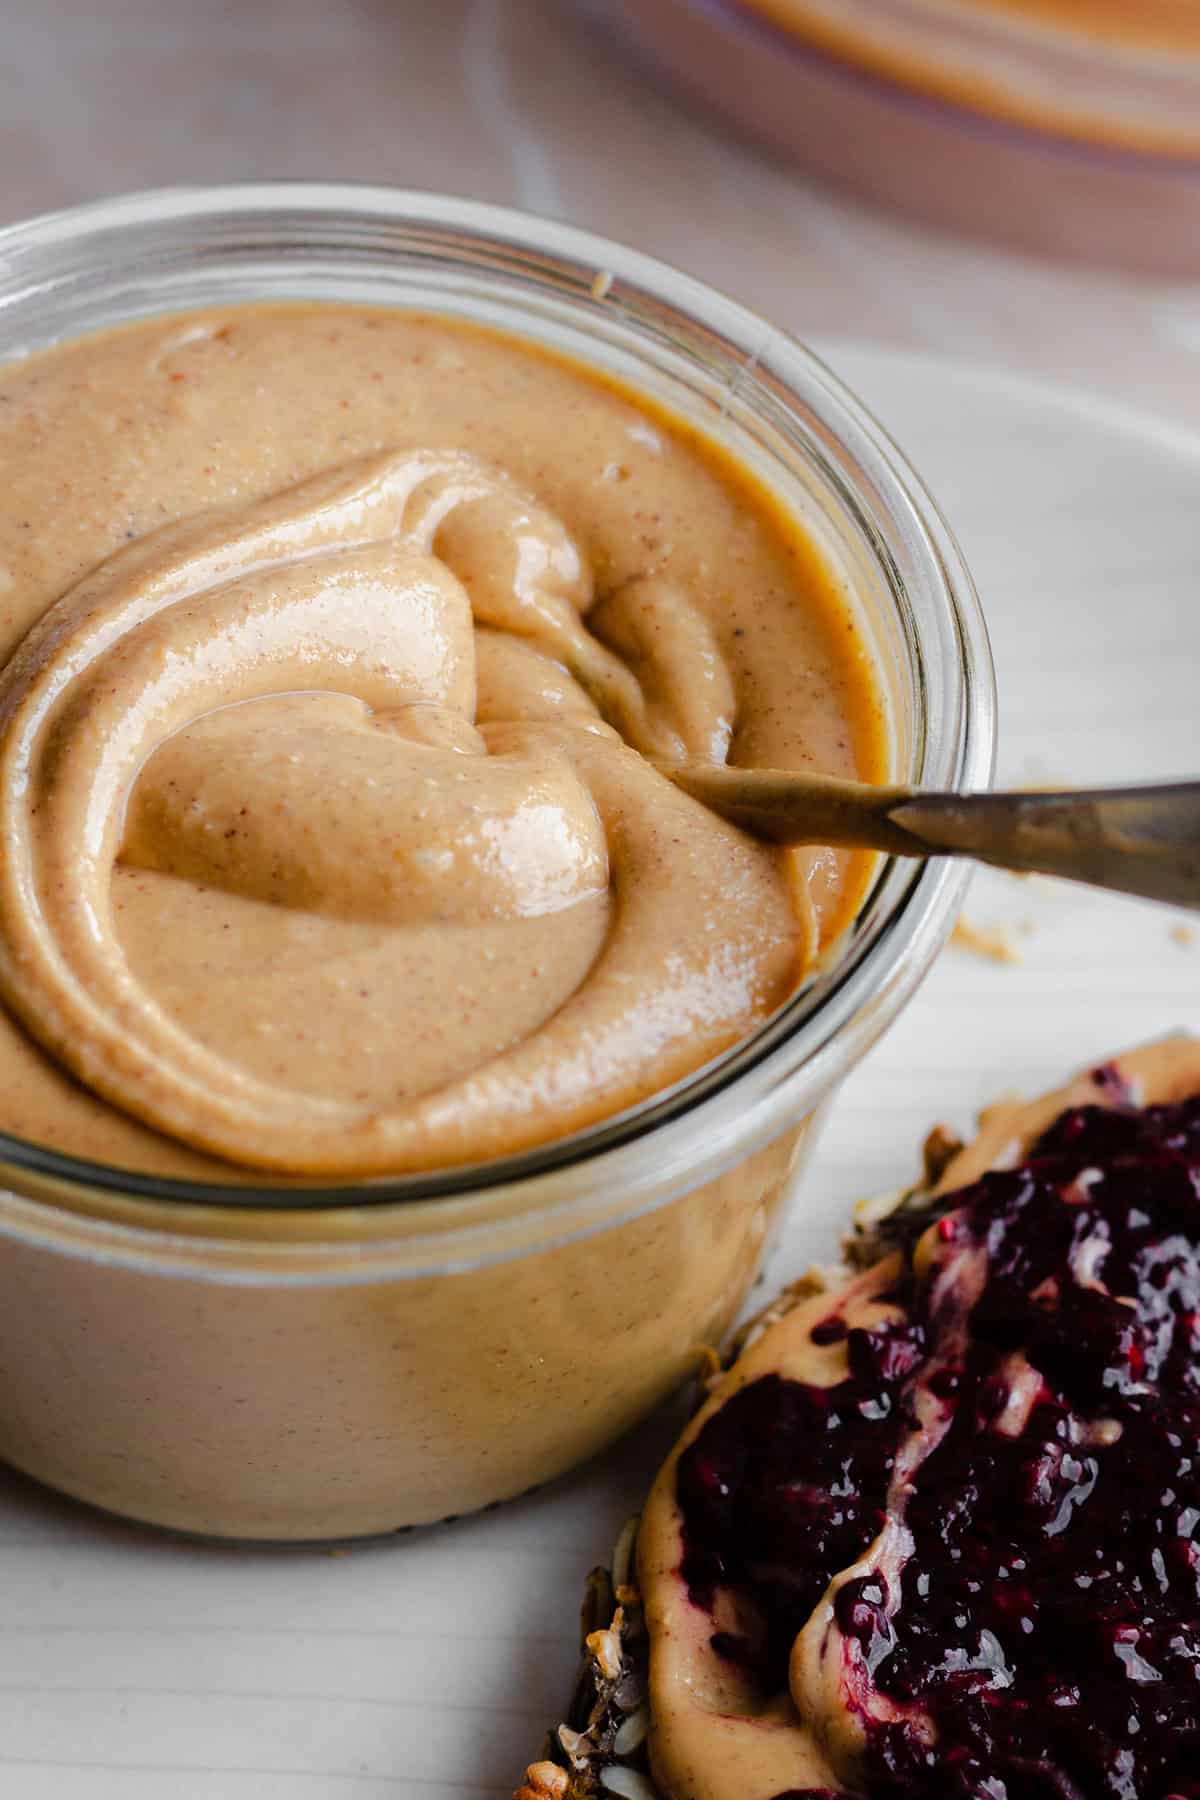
pixel 1136 840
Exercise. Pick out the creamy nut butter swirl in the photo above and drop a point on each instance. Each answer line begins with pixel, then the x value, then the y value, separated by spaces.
pixel 341 648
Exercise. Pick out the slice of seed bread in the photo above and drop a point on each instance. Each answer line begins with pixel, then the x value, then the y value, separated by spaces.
pixel 600 1750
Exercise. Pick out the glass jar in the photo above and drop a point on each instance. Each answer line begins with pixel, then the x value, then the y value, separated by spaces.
pixel 303 1362
pixel 1072 131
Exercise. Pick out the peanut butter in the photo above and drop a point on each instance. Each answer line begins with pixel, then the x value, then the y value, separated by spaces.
pixel 340 646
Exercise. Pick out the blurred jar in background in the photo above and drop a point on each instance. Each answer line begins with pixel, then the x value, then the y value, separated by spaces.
pixel 1068 127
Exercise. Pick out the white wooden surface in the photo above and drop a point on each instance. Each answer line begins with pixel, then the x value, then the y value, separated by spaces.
pixel 132 1667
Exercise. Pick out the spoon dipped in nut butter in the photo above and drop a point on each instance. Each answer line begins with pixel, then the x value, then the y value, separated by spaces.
pixel 1134 840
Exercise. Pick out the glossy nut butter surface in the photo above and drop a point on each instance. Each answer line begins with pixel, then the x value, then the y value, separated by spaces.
pixel 340 646
pixel 338 643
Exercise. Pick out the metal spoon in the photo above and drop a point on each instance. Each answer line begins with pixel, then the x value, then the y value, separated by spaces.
pixel 1135 840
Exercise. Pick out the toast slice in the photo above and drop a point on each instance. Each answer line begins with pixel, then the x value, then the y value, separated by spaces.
pixel 709 1673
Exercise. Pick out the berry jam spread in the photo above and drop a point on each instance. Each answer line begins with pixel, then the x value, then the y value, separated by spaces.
pixel 1025 1435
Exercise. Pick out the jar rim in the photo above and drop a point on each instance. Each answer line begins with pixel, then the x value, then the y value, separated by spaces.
pixel 711 1119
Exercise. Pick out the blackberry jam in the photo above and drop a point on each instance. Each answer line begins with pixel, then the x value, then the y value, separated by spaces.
pixel 1038 1638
